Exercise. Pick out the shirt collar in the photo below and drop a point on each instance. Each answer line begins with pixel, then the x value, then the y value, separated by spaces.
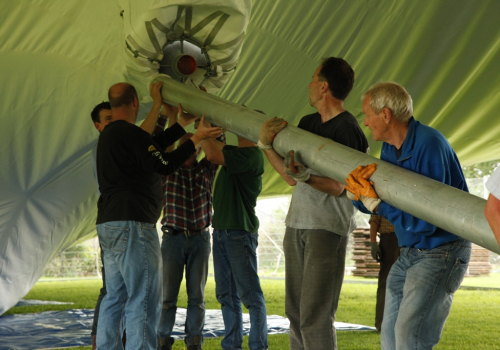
pixel 409 142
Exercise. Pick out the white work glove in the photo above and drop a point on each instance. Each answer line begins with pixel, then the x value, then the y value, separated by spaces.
pixel 370 203
pixel 269 130
pixel 294 169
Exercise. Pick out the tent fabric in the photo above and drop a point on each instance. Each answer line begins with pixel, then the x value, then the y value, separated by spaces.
pixel 58 58
pixel 218 28
pixel 71 328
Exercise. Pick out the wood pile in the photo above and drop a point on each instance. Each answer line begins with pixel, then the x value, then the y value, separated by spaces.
pixel 366 266
pixel 479 261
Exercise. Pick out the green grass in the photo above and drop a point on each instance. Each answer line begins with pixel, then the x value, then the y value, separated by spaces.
pixel 489 281
pixel 473 321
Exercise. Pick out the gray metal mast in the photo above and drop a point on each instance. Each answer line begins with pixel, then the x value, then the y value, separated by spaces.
pixel 444 206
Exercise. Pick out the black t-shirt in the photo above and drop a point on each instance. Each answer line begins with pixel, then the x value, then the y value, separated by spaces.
pixel 343 128
pixel 129 162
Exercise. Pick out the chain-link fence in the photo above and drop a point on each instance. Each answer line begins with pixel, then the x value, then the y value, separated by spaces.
pixel 84 260
pixel 80 261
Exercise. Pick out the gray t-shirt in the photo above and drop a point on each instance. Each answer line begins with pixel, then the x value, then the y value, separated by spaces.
pixel 312 209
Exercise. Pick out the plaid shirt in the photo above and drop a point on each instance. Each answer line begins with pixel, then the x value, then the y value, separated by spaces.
pixel 384 225
pixel 187 204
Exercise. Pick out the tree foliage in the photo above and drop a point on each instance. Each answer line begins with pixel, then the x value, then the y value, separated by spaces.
pixel 480 169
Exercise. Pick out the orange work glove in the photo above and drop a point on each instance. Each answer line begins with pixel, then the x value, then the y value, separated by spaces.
pixel 365 171
pixel 360 189
pixel 353 187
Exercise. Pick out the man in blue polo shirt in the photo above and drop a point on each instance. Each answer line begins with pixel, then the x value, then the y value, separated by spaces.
pixel 433 262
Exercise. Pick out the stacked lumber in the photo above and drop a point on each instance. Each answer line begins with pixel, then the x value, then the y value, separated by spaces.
pixel 479 261
pixel 366 266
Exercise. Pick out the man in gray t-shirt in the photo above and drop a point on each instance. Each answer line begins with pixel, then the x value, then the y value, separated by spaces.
pixel 320 215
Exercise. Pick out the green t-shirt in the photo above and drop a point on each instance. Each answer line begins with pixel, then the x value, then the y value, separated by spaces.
pixel 236 189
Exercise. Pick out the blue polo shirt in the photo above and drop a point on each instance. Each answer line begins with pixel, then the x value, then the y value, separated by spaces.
pixel 427 152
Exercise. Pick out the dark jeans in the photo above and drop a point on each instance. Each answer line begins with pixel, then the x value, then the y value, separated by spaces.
pixel 102 293
pixel 237 281
pixel 389 252
pixel 191 252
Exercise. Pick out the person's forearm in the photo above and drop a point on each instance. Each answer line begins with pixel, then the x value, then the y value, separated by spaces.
pixel 326 185
pixel 373 232
pixel 171 121
pixel 277 163
pixel 149 123
pixel 213 151
pixel 492 213
pixel 169 136
pixel 218 144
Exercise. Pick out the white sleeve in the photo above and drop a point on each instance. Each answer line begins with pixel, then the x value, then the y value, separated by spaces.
pixel 493 183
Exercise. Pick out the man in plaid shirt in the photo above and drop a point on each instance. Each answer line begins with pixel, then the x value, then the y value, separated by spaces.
pixel 187 214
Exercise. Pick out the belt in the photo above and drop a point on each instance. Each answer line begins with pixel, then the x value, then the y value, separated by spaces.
pixel 188 233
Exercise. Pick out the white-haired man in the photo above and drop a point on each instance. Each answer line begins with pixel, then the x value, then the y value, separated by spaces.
pixel 433 262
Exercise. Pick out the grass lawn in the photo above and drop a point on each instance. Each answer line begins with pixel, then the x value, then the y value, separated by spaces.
pixel 472 323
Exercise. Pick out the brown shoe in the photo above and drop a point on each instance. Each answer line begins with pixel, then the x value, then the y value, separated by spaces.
pixel 94 344
pixel 165 343
pixel 194 343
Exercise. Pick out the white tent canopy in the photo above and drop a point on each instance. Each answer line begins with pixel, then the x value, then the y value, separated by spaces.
pixel 58 58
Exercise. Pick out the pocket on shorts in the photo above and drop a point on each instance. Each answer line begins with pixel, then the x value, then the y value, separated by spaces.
pixel 116 238
pixel 456 276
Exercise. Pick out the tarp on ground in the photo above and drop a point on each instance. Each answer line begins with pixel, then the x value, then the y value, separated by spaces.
pixel 58 58
pixel 71 328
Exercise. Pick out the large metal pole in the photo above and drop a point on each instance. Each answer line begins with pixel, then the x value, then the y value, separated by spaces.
pixel 444 206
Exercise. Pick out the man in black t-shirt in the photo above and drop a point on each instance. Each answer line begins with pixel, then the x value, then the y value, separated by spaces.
pixel 320 215
pixel 129 162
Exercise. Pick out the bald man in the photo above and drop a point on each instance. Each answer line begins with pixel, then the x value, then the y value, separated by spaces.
pixel 129 162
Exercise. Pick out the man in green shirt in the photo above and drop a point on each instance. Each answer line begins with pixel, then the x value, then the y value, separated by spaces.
pixel 235 240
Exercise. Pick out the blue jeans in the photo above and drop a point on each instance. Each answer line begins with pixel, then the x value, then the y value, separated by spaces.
pixel 193 252
pixel 419 294
pixel 132 260
pixel 236 281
